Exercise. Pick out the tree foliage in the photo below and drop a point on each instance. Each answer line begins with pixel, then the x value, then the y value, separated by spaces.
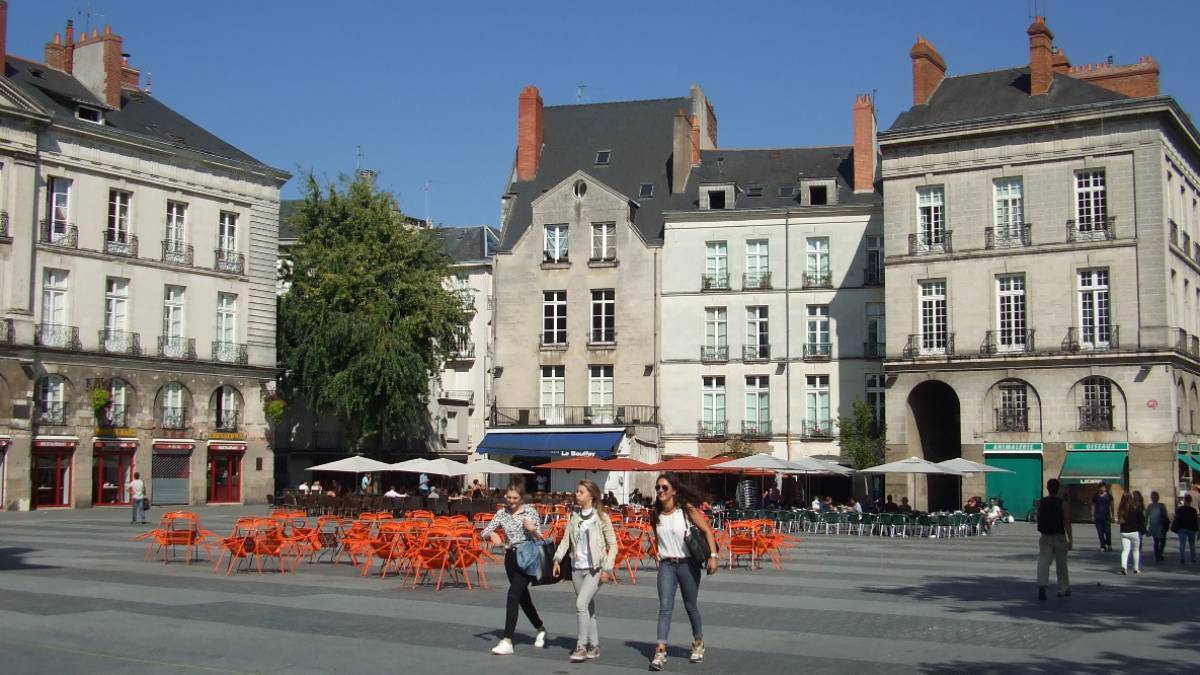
pixel 367 321
pixel 863 441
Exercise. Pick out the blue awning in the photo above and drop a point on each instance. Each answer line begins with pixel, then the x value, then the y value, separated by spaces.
pixel 553 444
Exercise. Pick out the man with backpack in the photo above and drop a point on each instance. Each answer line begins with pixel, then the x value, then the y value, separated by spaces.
pixel 1054 524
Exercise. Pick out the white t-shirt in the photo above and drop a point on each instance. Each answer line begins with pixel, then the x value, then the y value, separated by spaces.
pixel 391 493
pixel 670 531
pixel 138 488
pixel 303 488
pixel 583 548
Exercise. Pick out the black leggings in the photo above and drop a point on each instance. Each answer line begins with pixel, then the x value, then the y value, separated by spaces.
pixel 518 594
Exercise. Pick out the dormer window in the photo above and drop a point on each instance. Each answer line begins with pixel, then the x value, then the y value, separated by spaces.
pixel 646 191
pixel 818 195
pixel 88 114
pixel 717 196
pixel 602 157
pixel 818 191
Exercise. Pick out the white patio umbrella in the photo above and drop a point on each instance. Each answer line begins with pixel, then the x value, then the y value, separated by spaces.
pixel 444 467
pixel 409 465
pixel 763 461
pixel 966 466
pixel 353 464
pixel 912 466
pixel 492 466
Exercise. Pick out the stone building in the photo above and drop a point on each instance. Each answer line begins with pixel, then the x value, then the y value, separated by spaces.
pixel 772 285
pixel 137 276
pixel 1043 277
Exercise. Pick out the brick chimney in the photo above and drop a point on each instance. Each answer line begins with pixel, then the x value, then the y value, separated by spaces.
pixel 864 144
pixel 131 78
pixel 3 35
pixel 529 133
pixel 928 68
pixel 60 55
pixel 1134 79
pixel 1041 57
pixel 1059 61
pixel 685 149
pixel 98 64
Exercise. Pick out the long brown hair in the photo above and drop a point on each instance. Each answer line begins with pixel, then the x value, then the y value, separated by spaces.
pixel 684 496
pixel 597 496
pixel 1123 507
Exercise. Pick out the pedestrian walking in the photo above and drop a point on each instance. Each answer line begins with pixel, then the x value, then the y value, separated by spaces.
pixel 1185 527
pixel 676 519
pixel 519 522
pixel 136 489
pixel 1054 524
pixel 1102 503
pixel 1131 516
pixel 1158 524
pixel 592 545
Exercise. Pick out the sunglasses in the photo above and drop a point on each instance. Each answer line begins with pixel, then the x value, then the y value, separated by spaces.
pixel 661 488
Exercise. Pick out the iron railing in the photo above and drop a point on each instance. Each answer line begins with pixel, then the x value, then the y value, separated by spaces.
pixel 229 261
pixel 51 413
pixel 121 244
pixel 582 415
pixel 713 429
pixel 1092 229
pixel 1095 417
pixel 114 416
pixel 173 417
pixel 818 351
pixel 816 429
pixel 1101 338
pixel 7 332
pixel 758 429
pixel 58 233
pixel 1020 342
pixel 229 352
pixel 1017 235
pixel 56 336
pixel 1012 419
pixel 714 353
pixel 120 342
pixel 462 350
pixel 756 353
pixel 714 282
pixel 874 350
pixel 4 224
pixel 756 281
pixel 916 348
pixel 177 347
pixel 465 395
pixel 175 252
pixel 818 280
pixel 227 420
pixel 935 242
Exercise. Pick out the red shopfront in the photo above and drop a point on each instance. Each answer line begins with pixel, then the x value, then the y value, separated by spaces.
pixel 113 467
pixel 52 464
pixel 225 472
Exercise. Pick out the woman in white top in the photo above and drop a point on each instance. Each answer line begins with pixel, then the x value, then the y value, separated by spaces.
pixel 592 545
pixel 674 513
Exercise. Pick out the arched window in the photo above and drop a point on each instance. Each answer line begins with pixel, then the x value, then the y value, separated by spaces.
pixel 226 405
pixel 1192 402
pixel 172 405
pixel 119 411
pixel 1096 404
pixel 51 400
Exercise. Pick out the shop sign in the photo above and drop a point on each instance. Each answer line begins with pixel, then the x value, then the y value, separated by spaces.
pixel 115 432
pixel 226 436
pixel 115 445
pixel 228 447
pixel 54 443
pixel 173 446
pixel 1012 447
pixel 1099 446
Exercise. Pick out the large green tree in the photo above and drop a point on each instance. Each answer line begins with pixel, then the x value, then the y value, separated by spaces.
pixel 368 321
pixel 862 440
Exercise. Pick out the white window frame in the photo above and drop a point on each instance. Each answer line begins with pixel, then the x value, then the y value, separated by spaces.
pixel 716 327
pixel 876 326
pixel 174 326
pixel 554 317
pixel 59 193
pixel 716 263
pixel 227 232
pixel 818 420
pixel 758 402
pixel 817 330
pixel 1091 202
pixel 56 297
pixel 555 243
pixel 604 316
pixel 604 241
pixel 934 317
pixel 1008 212
pixel 1095 308
pixel 876 394
pixel 712 404
pixel 758 331
pixel 1011 313
pixel 175 233
pixel 931 218
pixel 119 205
pixel 116 315
pixel 875 256
pixel 552 393
pixel 816 260
pixel 758 263
pixel 600 394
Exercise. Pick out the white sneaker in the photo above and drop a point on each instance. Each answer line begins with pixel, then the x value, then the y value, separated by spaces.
pixel 503 648
pixel 539 641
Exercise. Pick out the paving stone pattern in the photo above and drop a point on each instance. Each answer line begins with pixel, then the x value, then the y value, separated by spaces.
pixel 75 596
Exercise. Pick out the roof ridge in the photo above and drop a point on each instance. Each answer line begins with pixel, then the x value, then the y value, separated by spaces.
pixel 634 100
pixel 797 147
pixel 988 72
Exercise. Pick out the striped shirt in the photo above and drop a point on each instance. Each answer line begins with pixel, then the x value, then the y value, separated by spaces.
pixel 513 524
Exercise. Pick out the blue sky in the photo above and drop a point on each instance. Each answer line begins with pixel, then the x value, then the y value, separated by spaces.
pixel 429 89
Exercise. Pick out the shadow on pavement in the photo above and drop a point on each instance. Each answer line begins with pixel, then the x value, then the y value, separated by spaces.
pixel 12 558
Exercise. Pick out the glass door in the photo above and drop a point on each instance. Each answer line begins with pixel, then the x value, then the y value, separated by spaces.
pixel 224 477
pixel 52 478
pixel 113 471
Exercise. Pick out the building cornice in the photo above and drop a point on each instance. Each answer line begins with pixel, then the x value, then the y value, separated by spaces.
pixel 740 215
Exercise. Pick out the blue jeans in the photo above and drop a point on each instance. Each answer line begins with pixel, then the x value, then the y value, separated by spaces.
pixel 684 575
pixel 1187 538
pixel 139 510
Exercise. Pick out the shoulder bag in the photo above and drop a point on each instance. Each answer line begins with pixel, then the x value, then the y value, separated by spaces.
pixel 696 543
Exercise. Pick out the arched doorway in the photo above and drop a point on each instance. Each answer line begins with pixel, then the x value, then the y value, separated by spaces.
pixel 934 410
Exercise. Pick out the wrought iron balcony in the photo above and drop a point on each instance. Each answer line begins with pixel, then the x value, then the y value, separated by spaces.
pixel 602 339
pixel 816 429
pixel 756 281
pixel 818 280
pixel 1092 229
pixel 462 350
pixel 227 420
pixel 175 252
pixel 120 342
pixel 229 352
pixel 1007 342
pixel 229 261
pixel 4 225
pixel 553 340
pixel 873 276
pixel 461 395
pixel 56 336
pixel 114 416
pixel 751 353
pixel 758 429
pixel 1095 417
pixel 58 233
pixel 874 350
pixel 173 417
pixel 818 351
pixel 583 415
pixel 1098 339
pixel 714 353
pixel 714 282
pixel 1012 419
pixel 51 413
pixel 1014 236
pixel 713 429
pixel 1186 344
pixel 7 332
pixel 929 243
pixel 177 347
pixel 120 243
pixel 928 346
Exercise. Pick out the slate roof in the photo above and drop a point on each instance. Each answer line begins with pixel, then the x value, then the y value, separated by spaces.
pixel 287 209
pixel 772 168
pixel 467 244
pixel 141 115
pixel 639 135
pixel 996 94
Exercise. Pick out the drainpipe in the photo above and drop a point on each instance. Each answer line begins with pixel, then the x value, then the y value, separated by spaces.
pixel 787 328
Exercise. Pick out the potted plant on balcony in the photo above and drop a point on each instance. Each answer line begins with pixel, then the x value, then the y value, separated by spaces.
pixel 100 401
pixel 273 409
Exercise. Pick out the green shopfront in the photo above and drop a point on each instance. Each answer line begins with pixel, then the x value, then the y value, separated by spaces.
pixel 1019 490
pixel 1086 466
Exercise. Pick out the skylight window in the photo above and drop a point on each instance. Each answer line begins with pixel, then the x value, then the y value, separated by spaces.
pixel 89 114
pixel 754 190
pixel 602 157
pixel 646 191
pixel 787 190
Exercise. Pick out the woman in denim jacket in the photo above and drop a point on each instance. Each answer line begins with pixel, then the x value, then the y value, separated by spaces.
pixel 592 545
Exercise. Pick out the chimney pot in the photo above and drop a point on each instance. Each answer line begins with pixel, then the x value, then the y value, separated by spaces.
pixel 928 70
pixel 1041 58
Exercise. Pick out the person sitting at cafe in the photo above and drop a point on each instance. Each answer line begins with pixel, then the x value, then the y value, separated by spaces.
pixel 890 506
pixel 455 496
pixel 853 504
pixel 817 504
pixel 392 494
pixel 477 489
pixel 433 493
pixel 610 500
pixel 303 488
pixel 904 507
pixel 993 512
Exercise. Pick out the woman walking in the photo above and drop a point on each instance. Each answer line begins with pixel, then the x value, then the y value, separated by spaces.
pixel 674 514
pixel 1131 514
pixel 592 545
pixel 1158 523
pixel 519 521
